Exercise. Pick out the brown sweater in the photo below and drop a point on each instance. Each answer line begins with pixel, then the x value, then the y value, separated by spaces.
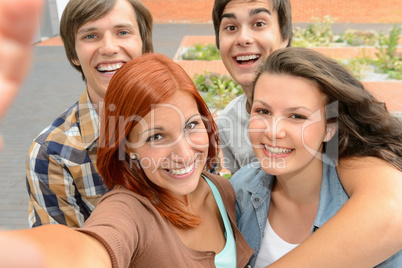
pixel 136 235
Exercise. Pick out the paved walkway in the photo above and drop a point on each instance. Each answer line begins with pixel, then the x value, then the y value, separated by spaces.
pixel 53 86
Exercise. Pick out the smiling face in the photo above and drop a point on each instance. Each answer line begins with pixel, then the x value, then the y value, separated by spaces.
pixel 248 33
pixel 287 125
pixel 171 144
pixel 104 45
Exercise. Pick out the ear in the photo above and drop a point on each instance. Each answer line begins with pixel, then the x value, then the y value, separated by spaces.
pixel 284 43
pixel 331 130
pixel 76 62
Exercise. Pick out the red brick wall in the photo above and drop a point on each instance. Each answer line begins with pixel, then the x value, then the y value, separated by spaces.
pixel 354 11
pixel 191 11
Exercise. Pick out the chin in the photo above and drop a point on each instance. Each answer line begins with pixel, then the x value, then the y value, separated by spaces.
pixel 273 166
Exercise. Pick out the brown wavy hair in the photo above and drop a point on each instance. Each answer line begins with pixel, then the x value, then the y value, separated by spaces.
pixel 132 92
pixel 365 126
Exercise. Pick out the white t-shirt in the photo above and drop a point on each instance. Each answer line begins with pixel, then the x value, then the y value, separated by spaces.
pixel 272 247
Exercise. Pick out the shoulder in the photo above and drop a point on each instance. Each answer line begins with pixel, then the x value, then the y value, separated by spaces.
pixel 232 110
pixel 60 125
pixel 124 222
pixel 367 166
pixel 364 172
pixel 219 181
pixel 122 206
pixel 223 184
pixel 125 198
pixel 247 176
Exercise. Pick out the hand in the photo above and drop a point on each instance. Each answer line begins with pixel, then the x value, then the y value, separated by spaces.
pixel 18 22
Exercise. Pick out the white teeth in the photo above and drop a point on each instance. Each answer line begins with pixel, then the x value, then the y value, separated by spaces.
pixel 276 150
pixel 181 171
pixel 248 57
pixel 110 67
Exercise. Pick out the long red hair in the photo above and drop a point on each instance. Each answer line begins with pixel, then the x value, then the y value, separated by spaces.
pixel 132 92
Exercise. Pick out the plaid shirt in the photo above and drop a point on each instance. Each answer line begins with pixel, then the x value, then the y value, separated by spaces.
pixel 63 184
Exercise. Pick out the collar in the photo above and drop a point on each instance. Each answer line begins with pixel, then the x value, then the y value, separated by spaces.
pixel 332 195
pixel 260 187
pixel 89 121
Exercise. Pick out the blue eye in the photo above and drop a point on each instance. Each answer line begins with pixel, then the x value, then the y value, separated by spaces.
pixel 90 36
pixel 123 33
pixel 155 137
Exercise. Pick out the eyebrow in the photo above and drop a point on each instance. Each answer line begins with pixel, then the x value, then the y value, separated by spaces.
pixel 162 129
pixel 90 29
pixel 290 109
pixel 256 11
pixel 153 129
pixel 252 12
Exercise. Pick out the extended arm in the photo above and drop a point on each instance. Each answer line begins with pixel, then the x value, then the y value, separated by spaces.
pixel 366 230
pixel 58 246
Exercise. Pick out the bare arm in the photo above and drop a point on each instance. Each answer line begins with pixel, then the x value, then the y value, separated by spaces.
pixel 60 246
pixel 366 230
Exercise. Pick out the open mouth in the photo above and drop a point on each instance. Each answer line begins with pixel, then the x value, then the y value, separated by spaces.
pixel 247 59
pixel 109 68
pixel 277 150
pixel 181 171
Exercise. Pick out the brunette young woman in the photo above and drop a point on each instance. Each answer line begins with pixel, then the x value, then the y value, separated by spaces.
pixel 310 120
pixel 163 210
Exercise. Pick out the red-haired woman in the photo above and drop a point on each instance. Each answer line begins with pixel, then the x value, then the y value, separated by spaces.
pixel 157 139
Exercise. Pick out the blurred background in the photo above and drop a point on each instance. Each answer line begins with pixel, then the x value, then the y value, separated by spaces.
pixel 364 35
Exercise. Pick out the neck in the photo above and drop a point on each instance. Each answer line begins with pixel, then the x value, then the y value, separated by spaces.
pixel 96 101
pixel 248 92
pixel 302 187
pixel 196 199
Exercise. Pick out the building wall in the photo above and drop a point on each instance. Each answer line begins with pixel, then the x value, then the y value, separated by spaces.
pixel 348 11
pixel 191 11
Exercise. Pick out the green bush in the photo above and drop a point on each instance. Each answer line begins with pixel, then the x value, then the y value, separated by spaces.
pixel 316 34
pixel 202 52
pixel 360 38
pixel 360 65
pixel 388 59
pixel 217 90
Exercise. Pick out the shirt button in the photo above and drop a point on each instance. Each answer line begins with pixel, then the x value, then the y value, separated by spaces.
pixel 256 199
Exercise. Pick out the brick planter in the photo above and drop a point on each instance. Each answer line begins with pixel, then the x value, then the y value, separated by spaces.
pixel 388 91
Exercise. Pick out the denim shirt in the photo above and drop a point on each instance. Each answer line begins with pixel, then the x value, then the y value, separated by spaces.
pixel 253 194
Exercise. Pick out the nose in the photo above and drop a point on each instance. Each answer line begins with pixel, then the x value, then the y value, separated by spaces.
pixel 181 151
pixel 245 37
pixel 276 128
pixel 109 45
